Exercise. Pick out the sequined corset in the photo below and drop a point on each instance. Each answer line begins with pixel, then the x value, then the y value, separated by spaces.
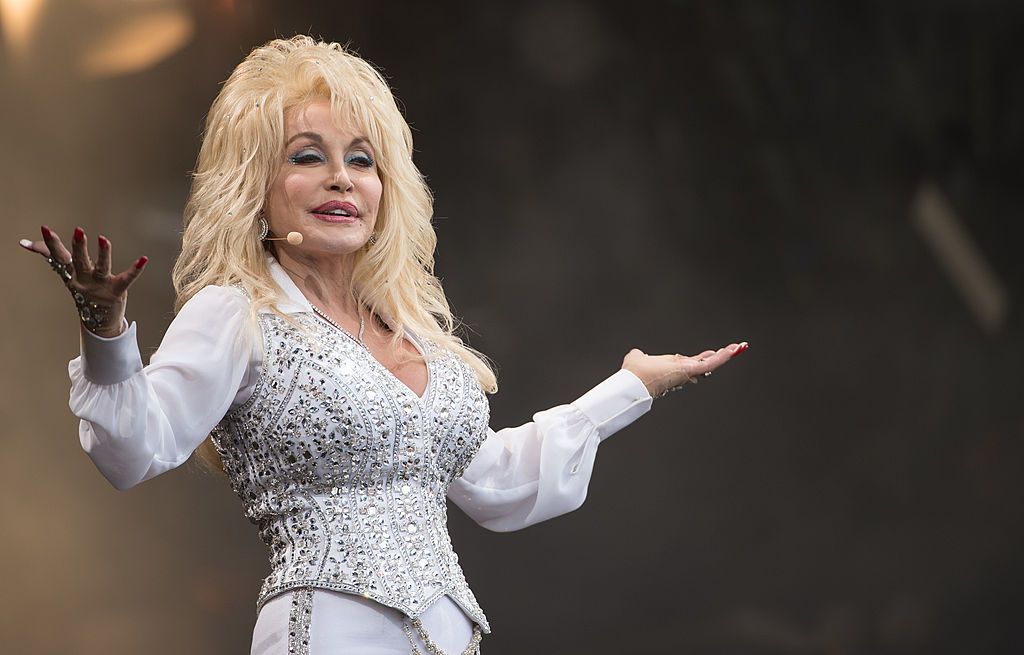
pixel 345 470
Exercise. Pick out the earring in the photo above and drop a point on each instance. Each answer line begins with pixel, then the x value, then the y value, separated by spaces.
pixel 372 240
pixel 264 227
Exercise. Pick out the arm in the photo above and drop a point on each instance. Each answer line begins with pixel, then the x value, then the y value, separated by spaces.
pixel 540 470
pixel 137 422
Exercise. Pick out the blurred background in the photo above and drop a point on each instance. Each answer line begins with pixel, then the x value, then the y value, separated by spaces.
pixel 838 183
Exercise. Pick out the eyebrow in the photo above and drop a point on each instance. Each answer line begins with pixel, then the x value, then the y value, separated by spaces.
pixel 313 136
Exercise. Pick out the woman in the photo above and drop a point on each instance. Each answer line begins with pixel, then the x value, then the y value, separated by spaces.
pixel 313 360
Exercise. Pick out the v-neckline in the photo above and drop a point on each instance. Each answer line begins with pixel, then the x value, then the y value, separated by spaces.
pixel 412 338
pixel 302 303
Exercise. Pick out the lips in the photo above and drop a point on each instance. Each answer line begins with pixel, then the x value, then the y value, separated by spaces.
pixel 336 209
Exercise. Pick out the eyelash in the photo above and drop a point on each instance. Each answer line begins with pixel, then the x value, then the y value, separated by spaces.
pixel 363 161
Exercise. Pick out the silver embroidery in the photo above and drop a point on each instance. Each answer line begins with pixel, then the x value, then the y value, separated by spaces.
pixel 299 617
pixel 345 471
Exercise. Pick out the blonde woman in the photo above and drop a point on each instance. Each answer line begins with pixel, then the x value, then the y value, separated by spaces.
pixel 313 360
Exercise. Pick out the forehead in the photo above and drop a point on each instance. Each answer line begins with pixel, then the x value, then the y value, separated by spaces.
pixel 316 116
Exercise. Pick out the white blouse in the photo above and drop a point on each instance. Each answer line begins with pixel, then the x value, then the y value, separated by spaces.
pixel 139 421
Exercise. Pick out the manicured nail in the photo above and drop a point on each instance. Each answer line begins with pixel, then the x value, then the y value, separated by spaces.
pixel 25 243
pixel 103 241
pixel 46 231
pixel 79 234
pixel 142 261
pixel 739 349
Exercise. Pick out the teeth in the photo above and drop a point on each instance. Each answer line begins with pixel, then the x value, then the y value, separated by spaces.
pixel 338 212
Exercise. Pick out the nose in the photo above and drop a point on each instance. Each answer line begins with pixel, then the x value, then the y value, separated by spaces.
pixel 338 180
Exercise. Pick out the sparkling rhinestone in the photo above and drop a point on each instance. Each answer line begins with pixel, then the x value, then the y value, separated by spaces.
pixel 304 456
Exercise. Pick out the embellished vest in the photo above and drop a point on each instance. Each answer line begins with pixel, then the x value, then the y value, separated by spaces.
pixel 345 470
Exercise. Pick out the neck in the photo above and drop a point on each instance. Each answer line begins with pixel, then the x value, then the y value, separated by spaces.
pixel 325 281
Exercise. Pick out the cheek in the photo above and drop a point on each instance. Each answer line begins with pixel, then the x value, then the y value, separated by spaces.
pixel 296 186
pixel 373 188
pixel 287 192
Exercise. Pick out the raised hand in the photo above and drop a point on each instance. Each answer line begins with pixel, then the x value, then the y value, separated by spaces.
pixel 664 373
pixel 99 296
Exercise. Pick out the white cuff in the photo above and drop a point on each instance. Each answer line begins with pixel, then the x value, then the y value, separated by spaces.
pixel 615 403
pixel 109 360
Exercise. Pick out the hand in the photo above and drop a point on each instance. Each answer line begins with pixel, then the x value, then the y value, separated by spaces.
pixel 100 296
pixel 664 373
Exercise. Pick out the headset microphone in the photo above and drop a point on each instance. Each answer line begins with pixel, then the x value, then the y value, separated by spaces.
pixel 294 238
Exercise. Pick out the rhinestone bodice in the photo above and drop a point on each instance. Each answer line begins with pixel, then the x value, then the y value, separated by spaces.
pixel 345 470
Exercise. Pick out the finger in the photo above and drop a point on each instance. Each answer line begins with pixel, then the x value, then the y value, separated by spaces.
pixel 54 245
pixel 35 246
pixel 124 279
pixel 103 258
pixel 708 361
pixel 80 253
pixel 722 356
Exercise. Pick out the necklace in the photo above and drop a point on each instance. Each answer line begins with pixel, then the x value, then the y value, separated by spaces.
pixel 362 325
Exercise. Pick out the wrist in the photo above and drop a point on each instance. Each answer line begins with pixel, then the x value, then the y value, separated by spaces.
pixel 106 332
pixel 647 383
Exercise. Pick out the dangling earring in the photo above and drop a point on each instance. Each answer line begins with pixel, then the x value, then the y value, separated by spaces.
pixel 372 240
pixel 264 226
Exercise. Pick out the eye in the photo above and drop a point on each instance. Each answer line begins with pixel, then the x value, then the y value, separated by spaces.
pixel 362 160
pixel 306 157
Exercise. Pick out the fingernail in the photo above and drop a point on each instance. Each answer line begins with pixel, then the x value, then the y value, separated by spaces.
pixel 79 234
pixel 142 261
pixel 46 231
pixel 103 241
pixel 740 348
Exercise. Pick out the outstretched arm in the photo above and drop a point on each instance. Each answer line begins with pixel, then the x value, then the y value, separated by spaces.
pixel 138 422
pixel 527 474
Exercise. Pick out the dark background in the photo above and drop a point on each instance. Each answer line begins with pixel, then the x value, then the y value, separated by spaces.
pixel 672 176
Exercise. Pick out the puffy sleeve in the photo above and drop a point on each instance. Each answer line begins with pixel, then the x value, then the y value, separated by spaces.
pixel 137 422
pixel 537 471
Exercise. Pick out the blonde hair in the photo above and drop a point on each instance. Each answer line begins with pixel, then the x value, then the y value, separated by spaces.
pixel 241 152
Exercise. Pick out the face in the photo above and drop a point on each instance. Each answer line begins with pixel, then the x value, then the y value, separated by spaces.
pixel 328 171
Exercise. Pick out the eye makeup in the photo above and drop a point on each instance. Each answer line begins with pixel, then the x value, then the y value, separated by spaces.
pixel 306 156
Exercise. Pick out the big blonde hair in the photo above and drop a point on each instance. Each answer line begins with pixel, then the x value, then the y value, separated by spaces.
pixel 241 152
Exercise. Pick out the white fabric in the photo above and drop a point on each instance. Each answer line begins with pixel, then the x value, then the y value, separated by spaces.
pixel 346 623
pixel 138 422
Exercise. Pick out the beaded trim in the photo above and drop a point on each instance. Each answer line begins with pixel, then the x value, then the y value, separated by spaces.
pixel 299 618
pixel 472 649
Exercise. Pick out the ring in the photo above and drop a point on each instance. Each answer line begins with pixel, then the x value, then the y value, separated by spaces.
pixel 707 374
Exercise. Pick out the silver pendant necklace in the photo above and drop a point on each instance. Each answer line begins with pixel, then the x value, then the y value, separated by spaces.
pixel 362 325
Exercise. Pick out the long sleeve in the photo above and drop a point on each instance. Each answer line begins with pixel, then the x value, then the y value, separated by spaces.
pixel 137 422
pixel 530 473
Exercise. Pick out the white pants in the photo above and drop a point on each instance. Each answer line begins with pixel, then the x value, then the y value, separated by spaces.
pixel 343 623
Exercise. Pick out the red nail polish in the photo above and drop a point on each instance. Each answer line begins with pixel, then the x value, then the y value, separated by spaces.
pixel 79 234
pixel 46 232
pixel 142 261
pixel 739 350
pixel 103 241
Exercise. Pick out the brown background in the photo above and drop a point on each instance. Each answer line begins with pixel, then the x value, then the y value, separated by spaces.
pixel 667 175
